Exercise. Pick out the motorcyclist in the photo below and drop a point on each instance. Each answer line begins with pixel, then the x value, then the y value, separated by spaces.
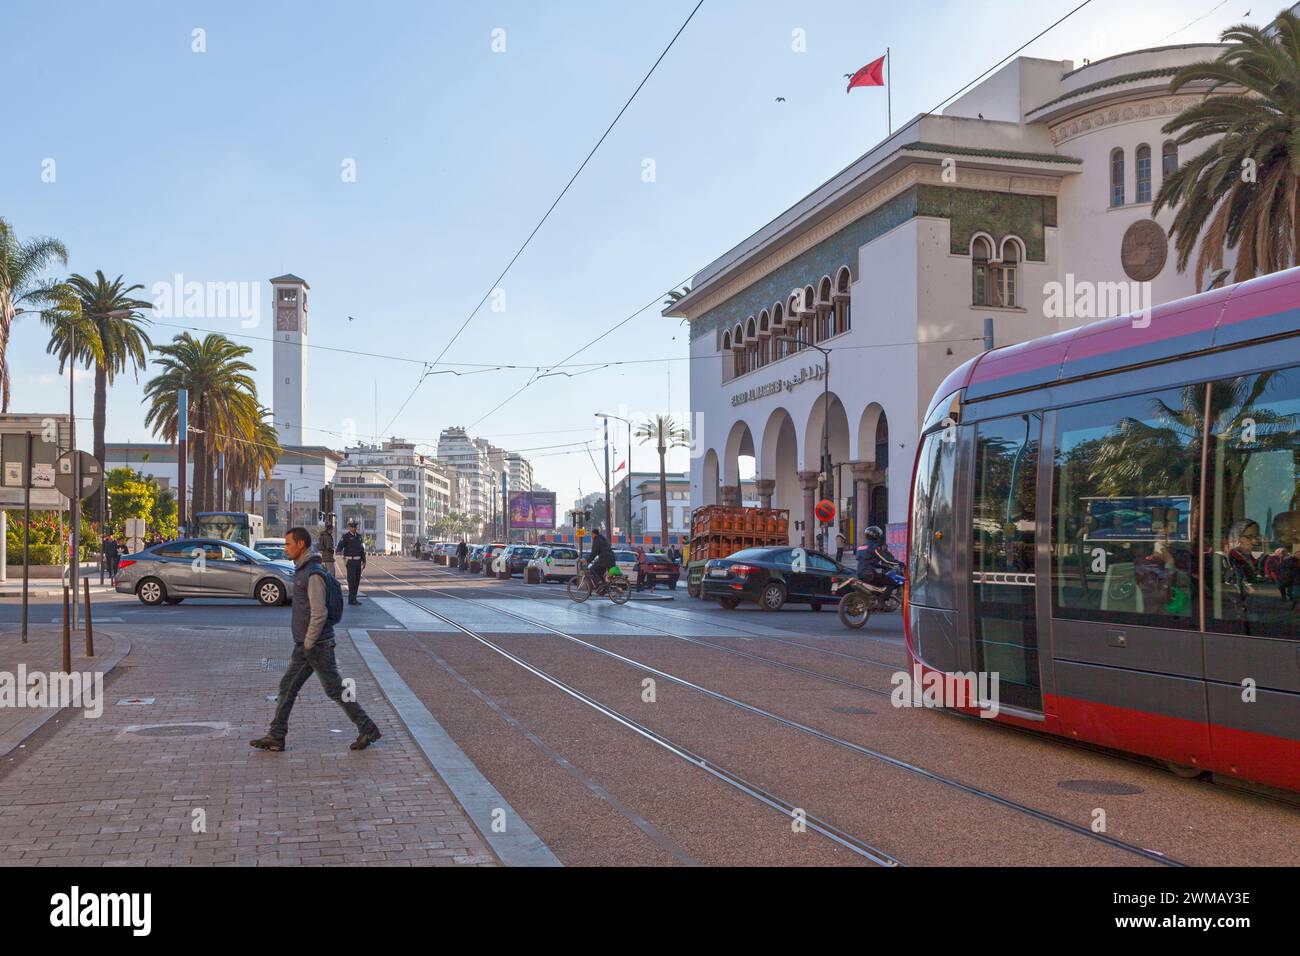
pixel 602 557
pixel 875 559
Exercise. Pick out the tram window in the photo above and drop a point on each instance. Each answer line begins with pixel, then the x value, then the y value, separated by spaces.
pixel 1126 481
pixel 930 581
pixel 1253 529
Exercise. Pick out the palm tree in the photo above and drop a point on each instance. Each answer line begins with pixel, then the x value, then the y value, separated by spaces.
pixel 222 400
pixel 110 336
pixel 250 460
pixel 22 283
pixel 665 433
pixel 1243 190
pixel 676 295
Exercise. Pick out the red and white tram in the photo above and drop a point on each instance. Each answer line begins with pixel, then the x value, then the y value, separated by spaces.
pixel 1109 519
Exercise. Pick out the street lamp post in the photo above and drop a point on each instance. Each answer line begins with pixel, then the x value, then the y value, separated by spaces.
pixel 607 417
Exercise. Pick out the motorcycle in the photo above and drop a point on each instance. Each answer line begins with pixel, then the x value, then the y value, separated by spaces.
pixel 857 605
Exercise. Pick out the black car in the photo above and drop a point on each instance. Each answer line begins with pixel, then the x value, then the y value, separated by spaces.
pixel 773 577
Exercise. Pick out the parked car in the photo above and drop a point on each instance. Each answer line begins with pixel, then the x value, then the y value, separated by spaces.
pixel 475 552
pixel 773 577
pixel 273 548
pixel 490 553
pixel 626 561
pixel 556 563
pixel 204 567
pixel 656 568
pixel 517 557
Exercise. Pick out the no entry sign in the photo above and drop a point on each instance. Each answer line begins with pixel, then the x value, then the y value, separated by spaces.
pixel 825 511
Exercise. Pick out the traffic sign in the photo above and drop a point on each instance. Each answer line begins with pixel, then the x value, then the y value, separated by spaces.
pixel 65 478
pixel 581 532
pixel 825 511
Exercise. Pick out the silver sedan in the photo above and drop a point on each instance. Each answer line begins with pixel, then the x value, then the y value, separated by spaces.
pixel 204 567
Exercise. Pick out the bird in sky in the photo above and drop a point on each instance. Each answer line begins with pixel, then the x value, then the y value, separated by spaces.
pixel 780 99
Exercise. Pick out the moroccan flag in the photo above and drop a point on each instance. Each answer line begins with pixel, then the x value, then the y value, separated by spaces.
pixel 873 74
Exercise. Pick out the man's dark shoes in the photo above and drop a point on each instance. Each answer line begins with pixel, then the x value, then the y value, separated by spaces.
pixel 274 744
pixel 365 738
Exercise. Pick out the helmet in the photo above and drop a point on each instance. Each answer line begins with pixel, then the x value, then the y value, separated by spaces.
pixel 874 534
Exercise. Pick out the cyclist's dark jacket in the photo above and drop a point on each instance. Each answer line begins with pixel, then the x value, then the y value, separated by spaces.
pixel 602 555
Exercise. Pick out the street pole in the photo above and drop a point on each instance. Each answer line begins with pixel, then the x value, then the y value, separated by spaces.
pixel 629 479
pixel 182 454
pixel 27 527
pixel 609 510
pixel 76 468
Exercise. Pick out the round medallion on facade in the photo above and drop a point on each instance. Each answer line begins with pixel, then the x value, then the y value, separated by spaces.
pixel 1144 250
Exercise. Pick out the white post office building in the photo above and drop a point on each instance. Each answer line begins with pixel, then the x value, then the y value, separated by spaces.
pixel 1042 174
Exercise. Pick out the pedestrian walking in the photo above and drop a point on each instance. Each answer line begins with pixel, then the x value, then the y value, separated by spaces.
pixel 110 552
pixel 317 607
pixel 353 549
pixel 462 550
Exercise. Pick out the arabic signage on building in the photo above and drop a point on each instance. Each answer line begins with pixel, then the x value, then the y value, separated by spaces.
pixel 809 373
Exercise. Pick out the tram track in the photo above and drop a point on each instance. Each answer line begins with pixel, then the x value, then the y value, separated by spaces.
pixel 794 725
pixel 789 810
pixel 1227 784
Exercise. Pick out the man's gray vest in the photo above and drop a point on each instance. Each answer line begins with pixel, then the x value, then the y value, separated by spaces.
pixel 302 603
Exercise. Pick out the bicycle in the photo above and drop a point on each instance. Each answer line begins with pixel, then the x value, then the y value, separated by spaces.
pixel 615 586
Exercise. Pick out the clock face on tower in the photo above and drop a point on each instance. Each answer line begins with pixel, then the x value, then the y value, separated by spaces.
pixel 286 318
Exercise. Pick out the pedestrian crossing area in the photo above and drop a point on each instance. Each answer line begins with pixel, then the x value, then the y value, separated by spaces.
pixel 498 616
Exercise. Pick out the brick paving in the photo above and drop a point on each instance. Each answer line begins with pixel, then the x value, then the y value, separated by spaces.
pixel 131 787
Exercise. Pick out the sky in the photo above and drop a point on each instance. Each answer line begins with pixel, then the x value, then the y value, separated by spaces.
pixel 389 155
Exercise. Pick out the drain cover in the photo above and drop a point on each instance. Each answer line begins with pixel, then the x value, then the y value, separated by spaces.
pixel 174 730
pixel 1106 787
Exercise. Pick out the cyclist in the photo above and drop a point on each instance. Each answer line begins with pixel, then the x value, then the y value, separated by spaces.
pixel 602 558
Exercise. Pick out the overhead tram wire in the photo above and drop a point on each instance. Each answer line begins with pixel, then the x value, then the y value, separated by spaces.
pixel 901 129
pixel 572 179
pixel 564 364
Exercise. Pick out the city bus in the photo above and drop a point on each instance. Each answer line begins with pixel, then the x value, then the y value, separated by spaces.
pixel 1108 520
pixel 247 529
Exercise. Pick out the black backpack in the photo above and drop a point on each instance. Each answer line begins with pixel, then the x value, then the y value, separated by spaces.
pixel 333 596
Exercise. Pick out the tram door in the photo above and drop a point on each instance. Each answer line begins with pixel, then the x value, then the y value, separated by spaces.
pixel 1004 535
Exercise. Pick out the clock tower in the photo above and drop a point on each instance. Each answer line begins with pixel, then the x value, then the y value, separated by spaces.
pixel 289 357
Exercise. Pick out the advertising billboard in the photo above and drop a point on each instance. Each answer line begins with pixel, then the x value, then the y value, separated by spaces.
pixel 532 510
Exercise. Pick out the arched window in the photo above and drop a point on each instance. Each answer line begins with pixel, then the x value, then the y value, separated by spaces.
pixel 981 251
pixel 778 325
pixel 764 339
pixel 842 281
pixel 1005 274
pixel 808 314
pixel 825 320
pixel 1117 177
pixel 738 348
pixel 1168 160
pixel 1143 161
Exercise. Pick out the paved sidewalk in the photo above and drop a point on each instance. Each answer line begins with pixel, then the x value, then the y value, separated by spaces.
pixel 174 782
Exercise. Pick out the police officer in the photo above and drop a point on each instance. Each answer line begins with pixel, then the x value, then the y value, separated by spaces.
pixel 353 549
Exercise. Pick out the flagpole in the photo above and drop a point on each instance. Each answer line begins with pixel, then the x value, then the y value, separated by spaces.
pixel 889 91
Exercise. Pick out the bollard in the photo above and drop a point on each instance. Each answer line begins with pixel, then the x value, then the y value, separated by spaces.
pixel 90 633
pixel 67 634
